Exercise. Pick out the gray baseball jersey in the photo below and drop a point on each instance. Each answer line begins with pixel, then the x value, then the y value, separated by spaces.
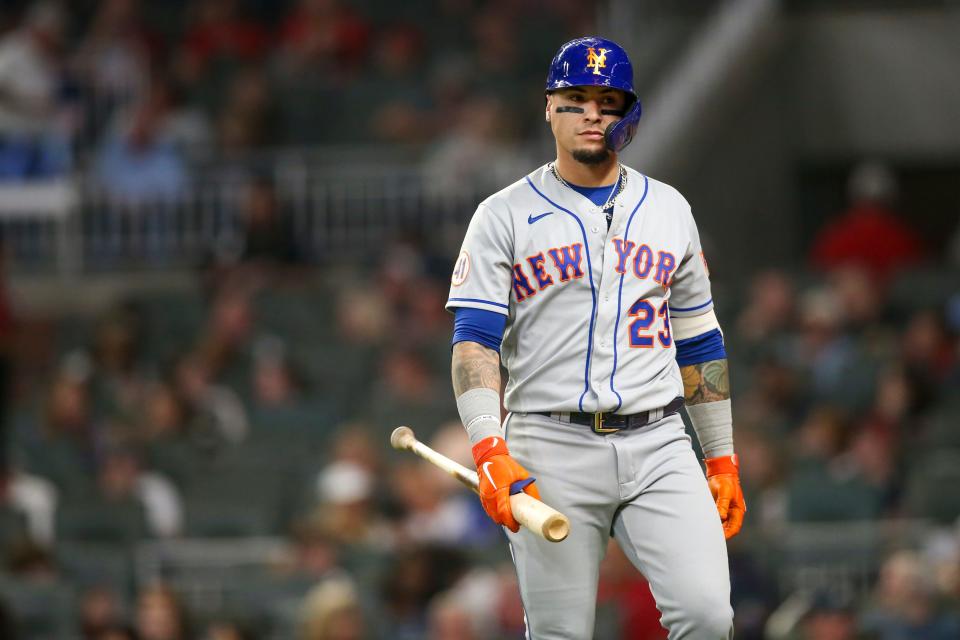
pixel 588 309
pixel 588 329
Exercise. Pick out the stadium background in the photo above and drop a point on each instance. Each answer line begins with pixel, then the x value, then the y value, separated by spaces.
pixel 227 230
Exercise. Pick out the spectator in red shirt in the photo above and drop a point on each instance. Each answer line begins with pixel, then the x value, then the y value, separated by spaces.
pixel 325 31
pixel 870 233
pixel 624 587
pixel 221 30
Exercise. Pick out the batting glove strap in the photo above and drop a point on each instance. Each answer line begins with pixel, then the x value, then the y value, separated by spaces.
pixel 723 465
pixel 489 447
pixel 519 485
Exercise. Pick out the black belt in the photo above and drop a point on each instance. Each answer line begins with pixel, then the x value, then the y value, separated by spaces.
pixel 613 422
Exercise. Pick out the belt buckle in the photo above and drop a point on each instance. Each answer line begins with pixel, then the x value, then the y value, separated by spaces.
pixel 598 424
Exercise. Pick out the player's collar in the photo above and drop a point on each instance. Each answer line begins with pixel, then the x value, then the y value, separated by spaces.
pixel 542 178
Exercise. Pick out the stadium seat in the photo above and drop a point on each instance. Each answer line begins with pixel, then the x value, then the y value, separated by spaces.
pixel 63 462
pixel 177 459
pixel 923 288
pixel 96 520
pixel 309 422
pixel 41 609
pixel 226 503
pixel 13 526
pixel 210 518
pixel 814 494
pixel 235 484
pixel 368 566
pixel 294 313
pixel 172 320
pixel 88 564
pixel 942 429
pixel 932 487
pixel 270 453
pixel 837 544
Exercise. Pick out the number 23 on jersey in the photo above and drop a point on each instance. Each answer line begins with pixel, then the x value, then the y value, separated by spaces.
pixel 642 332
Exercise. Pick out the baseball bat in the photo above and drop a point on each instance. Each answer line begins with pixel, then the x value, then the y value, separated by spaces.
pixel 543 520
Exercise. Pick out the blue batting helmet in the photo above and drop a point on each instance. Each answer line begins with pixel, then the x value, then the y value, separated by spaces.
pixel 599 62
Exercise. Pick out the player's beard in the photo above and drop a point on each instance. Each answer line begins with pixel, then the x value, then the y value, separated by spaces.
pixel 591 158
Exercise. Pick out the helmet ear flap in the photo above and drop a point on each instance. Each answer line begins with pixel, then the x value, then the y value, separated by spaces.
pixel 619 134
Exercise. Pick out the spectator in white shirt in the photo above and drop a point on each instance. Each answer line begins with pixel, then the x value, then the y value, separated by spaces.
pixel 33 134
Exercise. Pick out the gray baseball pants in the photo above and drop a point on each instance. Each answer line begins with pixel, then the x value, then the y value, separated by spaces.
pixel 645 487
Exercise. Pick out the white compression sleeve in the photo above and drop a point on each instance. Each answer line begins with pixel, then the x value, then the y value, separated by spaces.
pixel 684 328
pixel 480 413
pixel 713 422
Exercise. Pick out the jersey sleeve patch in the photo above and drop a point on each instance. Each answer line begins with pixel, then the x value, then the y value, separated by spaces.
pixel 461 269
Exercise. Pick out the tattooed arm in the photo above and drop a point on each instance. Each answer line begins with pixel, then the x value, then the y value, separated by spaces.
pixel 706 382
pixel 476 383
pixel 475 366
pixel 706 390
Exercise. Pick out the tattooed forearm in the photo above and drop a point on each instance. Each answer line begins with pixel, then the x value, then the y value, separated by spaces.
pixel 475 366
pixel 706 381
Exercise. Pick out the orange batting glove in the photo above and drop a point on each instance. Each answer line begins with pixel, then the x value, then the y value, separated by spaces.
pixel 723 476
pixel 500 477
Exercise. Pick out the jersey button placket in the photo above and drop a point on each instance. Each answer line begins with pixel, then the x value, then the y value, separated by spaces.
pixel 596 265
pixel 602 332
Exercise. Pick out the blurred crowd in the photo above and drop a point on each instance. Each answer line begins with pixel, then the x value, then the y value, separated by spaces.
pixel 259 404
pixel 135 91
pixel 254 406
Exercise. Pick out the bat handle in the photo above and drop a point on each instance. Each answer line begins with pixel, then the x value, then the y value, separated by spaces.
pixel 530 512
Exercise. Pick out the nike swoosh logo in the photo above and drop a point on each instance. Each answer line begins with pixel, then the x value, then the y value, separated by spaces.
pixel 531 218
pixel 486 470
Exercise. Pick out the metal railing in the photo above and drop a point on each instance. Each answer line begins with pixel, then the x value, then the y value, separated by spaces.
pixel 76 226
pixel 207 571
pixel 842 558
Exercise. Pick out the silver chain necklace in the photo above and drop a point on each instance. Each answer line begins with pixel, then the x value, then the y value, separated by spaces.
pixel 614 192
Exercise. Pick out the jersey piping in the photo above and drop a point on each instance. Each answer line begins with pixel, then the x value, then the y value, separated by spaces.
pixel 496 304
pixel 616 324
pixel 699 306
pixel 593 291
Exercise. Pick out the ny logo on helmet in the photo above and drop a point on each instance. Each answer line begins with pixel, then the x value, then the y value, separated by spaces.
pixel 596 61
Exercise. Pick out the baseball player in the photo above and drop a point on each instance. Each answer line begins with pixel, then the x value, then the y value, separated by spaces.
pixel 586 280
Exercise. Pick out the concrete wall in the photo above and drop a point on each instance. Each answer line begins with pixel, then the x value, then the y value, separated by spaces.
pixel 876 82
pixel 840 85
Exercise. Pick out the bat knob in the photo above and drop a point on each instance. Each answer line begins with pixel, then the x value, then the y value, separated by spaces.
pixel 402 438
pixel 556 528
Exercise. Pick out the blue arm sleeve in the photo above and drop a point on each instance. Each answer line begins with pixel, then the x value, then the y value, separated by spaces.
pixel 479 325
pixel 703 348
